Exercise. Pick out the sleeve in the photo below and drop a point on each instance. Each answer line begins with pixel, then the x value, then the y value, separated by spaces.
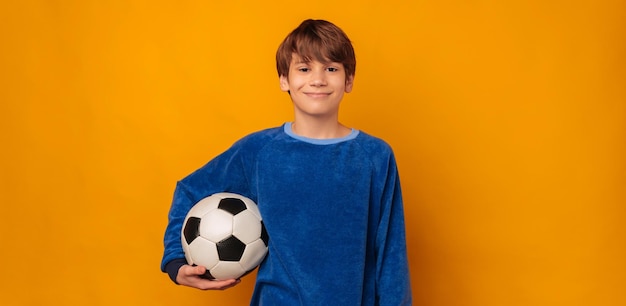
pixel 225 173
pixel 393 279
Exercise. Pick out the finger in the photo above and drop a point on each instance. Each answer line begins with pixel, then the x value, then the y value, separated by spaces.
pixel 235 283
pixel 217 284
pixel 188 270
pixel 187 275
pixel 199 270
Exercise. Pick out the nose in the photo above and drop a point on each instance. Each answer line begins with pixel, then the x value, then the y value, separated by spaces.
pixel 318 78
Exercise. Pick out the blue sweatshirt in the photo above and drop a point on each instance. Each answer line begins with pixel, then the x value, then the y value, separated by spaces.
pixel 332 209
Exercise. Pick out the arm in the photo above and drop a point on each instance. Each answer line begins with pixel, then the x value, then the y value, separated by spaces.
pixel 224 173
pixel 393 279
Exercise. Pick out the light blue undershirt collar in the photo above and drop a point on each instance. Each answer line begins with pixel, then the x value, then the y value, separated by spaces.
pixel 289 131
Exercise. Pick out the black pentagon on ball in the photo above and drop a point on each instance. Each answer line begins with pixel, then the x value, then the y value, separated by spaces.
pixel 230 249
pixel 264 236
pixel 192 229
pixel 232 205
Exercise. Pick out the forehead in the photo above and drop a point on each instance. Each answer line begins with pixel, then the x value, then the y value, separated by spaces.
pixel 298 59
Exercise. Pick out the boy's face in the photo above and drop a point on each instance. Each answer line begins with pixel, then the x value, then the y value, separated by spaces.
pixel 316 88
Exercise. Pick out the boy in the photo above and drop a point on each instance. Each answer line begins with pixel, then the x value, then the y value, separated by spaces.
pixel 329 195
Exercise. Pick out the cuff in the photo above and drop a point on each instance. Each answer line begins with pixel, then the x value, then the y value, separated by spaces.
pixel 172 267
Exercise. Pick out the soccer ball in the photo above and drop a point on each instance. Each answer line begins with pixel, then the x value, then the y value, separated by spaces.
pixel 224 232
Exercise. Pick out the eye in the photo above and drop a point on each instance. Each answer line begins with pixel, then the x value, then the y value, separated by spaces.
pixel 332 69
pixel 303 69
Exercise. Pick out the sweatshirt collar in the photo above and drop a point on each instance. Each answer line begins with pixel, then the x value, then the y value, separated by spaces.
pixel 329 141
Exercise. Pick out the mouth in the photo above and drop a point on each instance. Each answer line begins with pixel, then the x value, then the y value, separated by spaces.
pixel 317 94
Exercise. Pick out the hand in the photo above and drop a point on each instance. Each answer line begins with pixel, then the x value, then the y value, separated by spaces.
pixel 190 276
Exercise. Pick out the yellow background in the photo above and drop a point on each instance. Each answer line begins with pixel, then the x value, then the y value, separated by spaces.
pixel 508 119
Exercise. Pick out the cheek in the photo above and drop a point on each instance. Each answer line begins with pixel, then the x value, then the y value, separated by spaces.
pixel 297 83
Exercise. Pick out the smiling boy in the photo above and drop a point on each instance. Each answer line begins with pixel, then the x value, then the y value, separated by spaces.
pixel 329 195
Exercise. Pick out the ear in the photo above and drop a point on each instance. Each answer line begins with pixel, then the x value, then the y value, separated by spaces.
pixel 284 83
pixel 349 83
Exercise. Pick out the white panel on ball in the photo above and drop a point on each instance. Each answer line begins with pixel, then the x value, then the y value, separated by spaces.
pixel 227 270
pixel 253 255
pixel 246 226
pixel 204 253
pixel 216 225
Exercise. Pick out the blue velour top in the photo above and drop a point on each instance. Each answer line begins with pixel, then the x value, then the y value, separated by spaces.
pixel 332 208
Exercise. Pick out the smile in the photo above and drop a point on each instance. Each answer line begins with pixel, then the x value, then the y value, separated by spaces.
pixel 317 94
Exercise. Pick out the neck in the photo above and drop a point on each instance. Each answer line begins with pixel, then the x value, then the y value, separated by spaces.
pixel 320 130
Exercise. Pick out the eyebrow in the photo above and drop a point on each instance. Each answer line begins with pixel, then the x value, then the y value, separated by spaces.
pixel 302 61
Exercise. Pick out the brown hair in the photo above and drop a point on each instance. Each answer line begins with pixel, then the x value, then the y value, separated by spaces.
pixel 316 40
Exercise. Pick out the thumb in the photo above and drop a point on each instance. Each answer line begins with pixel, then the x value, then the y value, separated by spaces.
pixel 199 270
